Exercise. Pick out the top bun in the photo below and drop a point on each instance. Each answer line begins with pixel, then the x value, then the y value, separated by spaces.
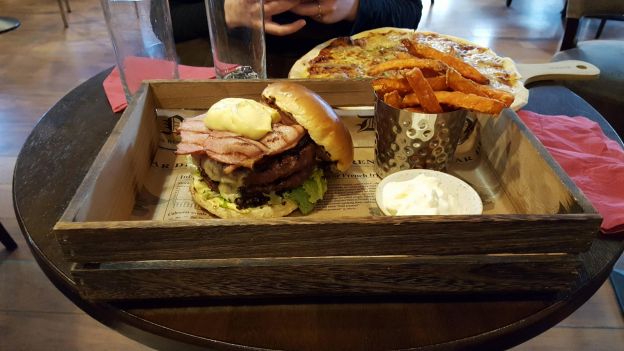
pixel 316 116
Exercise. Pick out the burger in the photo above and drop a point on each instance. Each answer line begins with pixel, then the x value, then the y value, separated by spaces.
pixel 264 159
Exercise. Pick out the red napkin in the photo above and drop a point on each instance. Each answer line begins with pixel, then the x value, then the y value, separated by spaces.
pixel 147 68
pixel 594 162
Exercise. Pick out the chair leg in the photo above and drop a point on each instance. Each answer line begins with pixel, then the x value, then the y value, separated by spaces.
pixel 617 280
pixel 6 239
pixel 600 28
pixel 569 34
pixel 67 6
pixel 508 3
pixel 63 14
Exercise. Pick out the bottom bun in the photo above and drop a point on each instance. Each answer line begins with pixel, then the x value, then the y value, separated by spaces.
pixel 214 204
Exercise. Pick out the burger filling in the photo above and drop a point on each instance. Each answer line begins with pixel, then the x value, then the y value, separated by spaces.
pixel 296 174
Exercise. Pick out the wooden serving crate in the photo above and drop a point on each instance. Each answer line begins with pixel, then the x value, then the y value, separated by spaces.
pixel 532 245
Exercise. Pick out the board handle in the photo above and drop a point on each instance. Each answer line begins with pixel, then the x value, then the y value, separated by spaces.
pixel 561 70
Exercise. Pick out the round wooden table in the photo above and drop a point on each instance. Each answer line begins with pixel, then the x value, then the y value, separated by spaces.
pixel 58 153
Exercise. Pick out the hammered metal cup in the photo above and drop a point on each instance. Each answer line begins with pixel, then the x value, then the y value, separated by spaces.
pixel 405 139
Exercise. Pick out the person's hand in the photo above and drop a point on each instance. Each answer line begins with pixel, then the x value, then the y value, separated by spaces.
pixel 245 13
pixel 328 11
pixel 275 7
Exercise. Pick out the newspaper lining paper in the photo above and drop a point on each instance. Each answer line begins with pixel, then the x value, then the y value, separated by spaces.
pixel 166 195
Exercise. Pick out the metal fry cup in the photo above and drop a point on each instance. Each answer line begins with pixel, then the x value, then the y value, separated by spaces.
pixel 406 139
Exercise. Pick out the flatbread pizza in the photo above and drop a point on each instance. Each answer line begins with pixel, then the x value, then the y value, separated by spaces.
pixel 362 55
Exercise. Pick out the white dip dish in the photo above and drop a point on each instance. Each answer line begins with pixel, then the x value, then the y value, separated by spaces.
pixel 426 192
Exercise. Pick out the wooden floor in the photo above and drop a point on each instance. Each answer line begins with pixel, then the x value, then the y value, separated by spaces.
pixel 41 61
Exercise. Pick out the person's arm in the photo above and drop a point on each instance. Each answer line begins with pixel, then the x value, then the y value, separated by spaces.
pixel 387 13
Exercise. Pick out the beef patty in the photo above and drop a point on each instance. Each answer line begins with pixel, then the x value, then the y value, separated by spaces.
pixel 283 165
pixel 278 173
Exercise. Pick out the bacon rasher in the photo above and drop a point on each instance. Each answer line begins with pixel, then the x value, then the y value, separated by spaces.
pixel 233 149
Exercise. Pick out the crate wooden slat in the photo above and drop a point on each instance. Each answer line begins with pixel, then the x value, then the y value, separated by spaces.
pixel 534 249
pixel 198 95
pixel 129 241
pixel 328 276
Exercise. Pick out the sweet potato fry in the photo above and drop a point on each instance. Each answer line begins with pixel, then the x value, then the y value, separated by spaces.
pixel 458 99
pixel 438 83
pixel 423 91
pixel 458 83
pixel 386 85
pixel 410 100
pixel 393 99
pixel 470 102
pixel 466 70
pixel 403 55
pixel 406 63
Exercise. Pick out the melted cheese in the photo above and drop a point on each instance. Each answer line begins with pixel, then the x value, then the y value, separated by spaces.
pixel 244 117
pixel 353 60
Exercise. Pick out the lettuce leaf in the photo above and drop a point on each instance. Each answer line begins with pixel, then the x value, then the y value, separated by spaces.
pixel 310 192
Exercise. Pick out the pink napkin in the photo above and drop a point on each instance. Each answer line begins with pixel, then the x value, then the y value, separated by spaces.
pixel 147 68
pixel 594 162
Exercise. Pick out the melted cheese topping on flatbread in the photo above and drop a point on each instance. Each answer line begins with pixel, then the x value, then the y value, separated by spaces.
pixel 352 57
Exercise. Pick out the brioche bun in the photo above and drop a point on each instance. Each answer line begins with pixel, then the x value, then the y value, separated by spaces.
pixel 213 205
pixel 316 116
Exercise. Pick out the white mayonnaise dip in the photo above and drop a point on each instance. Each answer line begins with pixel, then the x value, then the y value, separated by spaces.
pixel 421 195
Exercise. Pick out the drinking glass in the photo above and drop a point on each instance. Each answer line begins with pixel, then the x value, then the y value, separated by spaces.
pixel 237 38
pixel 142 38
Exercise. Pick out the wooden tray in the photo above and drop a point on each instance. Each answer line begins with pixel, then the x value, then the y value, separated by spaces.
pixel 533 248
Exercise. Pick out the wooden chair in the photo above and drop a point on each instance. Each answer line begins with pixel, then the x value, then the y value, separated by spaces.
pixel 577 9
pixel 6 239
pixel 603 21
pixel 605 94
pixel 60 3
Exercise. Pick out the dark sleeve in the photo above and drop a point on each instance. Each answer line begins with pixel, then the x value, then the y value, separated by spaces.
pixel 188 19
pixel 387 13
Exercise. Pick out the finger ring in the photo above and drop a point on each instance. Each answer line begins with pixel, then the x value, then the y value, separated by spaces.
pixel 319 15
